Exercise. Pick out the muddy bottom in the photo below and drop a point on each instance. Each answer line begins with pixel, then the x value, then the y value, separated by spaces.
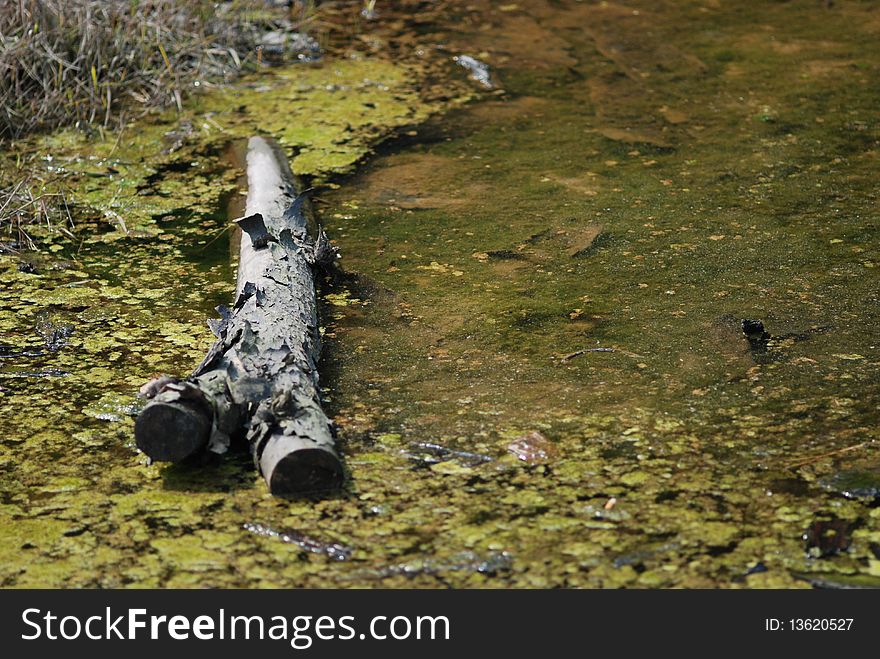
pixel 535 354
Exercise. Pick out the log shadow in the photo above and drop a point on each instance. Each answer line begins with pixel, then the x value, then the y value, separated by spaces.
pixel 234 472
pixel 208 472
pixel 336 280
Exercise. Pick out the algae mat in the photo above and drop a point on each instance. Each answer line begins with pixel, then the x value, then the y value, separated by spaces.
pixel 535 359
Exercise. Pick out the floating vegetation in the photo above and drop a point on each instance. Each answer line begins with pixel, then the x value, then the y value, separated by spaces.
pixel 535 357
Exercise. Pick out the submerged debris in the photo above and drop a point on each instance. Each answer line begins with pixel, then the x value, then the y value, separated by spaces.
pixel 478 70
pixel 532 448
pixel 466 561
pixel 45 373
pixel 855 484
pixel 54 333
pixel 278 46
pixel 828 537
pixel 369 11
pixel 333 550
pixel 11 352
pixel 427 453
pixel 835 581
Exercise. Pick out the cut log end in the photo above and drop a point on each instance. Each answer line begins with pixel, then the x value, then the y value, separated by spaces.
pixel 306 471
pixel 172 431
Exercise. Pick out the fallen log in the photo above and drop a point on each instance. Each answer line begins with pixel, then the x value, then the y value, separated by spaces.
pixel 261 373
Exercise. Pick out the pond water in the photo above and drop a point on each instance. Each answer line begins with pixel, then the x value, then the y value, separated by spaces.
pixel 534 352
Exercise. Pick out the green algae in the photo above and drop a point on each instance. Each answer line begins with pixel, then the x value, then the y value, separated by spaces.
pixel 709 448
pixel 329 116
pixel 680 458
pixel 137 272
pixel 134 180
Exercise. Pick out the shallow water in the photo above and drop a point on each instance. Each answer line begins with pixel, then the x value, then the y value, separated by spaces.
pixel 534 356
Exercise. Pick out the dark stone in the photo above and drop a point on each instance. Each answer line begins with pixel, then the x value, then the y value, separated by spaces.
pixel 753 329
pixel 828 537
pixel 756 335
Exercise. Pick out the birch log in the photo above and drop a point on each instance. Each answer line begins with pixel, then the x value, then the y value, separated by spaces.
pixel 261 374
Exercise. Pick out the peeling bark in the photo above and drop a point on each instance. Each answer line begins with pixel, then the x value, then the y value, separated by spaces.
pixel 261 374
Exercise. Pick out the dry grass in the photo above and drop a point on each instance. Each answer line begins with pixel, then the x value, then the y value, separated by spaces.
pixel 101 62
pixel 69 61
pixel 21 205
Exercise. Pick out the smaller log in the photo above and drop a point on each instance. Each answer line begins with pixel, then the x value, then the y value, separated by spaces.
pixel 172 431
pixel 176 424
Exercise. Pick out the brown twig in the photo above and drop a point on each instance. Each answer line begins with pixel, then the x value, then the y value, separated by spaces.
pixel 578 353
pixel 829 454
